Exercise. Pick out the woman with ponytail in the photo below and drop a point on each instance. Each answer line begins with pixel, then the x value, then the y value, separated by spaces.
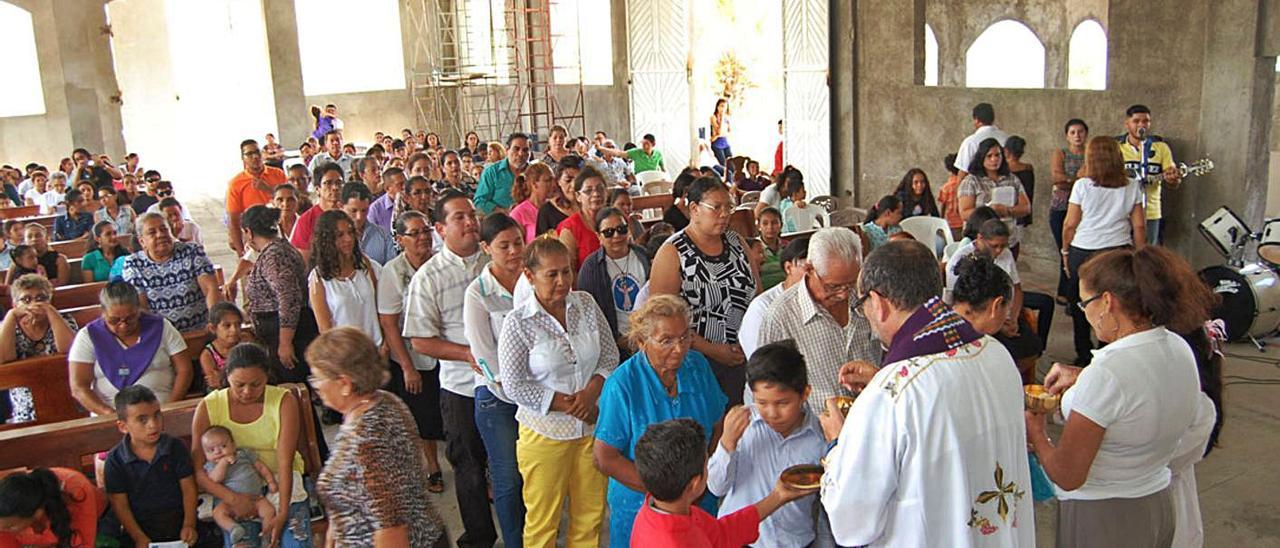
pixel 49 507
pixel 1129 411
pixel 532 189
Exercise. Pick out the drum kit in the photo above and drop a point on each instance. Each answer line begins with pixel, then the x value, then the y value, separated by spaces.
pixel 1250 293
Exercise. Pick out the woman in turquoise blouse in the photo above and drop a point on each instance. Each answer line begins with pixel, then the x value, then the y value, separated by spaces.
pixel 105 253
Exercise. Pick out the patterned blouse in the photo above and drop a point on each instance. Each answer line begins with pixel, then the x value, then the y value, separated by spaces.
pixel 24 407
pixel 278 283
pixel 374 481
pixel 172 288
pixel 468 185
pixel 718 289
pixel 1071 163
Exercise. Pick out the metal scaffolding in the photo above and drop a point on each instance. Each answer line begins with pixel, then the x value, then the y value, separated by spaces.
pixel 492 71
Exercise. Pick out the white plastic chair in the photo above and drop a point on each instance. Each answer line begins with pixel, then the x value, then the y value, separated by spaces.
pixel 656 187
pixel 929 229
pixel 950 250
pixel 651 176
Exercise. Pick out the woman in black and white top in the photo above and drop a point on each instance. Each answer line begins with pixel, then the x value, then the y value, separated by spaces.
pixel 614 274
pixel 707 265
pixel 1104 212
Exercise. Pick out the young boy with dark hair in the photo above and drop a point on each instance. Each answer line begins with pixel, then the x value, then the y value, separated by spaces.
pixel 149 478
pixel 671 459
pixel 774 432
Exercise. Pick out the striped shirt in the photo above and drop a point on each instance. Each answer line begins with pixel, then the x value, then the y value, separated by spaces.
pixel 433 309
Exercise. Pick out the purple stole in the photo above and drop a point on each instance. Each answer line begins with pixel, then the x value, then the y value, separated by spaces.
pixel 124 366
pixel 934 328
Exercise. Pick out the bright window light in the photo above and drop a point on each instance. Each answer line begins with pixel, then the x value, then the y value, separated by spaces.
pixel 930 56
pixel 1006 55
pixel 1087 57
pixel 21 94
pixel 350 47
pixel 582 38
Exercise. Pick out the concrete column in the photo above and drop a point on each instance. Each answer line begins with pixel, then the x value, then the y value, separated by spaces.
pixel 844 101
pixel 292 120
pixel 89 80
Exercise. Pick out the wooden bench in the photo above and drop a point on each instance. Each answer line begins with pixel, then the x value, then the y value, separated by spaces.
pixel 44 220
pixel 78 295
pixel 651 202
pixel 49 379
pixel 19 212
pixel 72 443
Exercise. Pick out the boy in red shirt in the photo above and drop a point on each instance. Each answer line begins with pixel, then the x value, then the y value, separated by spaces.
pixel 671 459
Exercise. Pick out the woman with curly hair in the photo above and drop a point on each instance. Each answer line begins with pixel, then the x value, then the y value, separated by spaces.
pixel 342 279
pixel 917 195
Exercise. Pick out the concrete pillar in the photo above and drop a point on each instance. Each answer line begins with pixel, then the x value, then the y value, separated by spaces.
pixel 844 101
pixel 292 120
pixel 89 80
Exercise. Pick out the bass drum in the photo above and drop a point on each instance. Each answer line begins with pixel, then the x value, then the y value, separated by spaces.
pixel 1250 299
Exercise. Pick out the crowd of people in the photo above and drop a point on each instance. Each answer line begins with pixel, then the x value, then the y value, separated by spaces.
pixel 655 378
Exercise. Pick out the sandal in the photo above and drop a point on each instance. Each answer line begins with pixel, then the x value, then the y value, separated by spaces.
pixel 435 483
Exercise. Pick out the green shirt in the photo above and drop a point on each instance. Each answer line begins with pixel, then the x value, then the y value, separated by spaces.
pixel 97 264
pixel 645 162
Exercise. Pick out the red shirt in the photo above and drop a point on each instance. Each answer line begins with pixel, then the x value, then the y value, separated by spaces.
pixel 587 240
pixel 305 227
pixel 85 504
pixel 242 194
pixel 654 529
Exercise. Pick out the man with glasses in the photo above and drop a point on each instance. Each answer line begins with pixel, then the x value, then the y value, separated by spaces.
pixel 494 189
pixel 816 314
pixel 142 202
pixel 935 446
pixel 330 188
pixel 254 185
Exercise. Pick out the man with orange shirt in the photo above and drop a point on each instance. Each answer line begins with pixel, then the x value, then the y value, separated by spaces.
pixel 255 185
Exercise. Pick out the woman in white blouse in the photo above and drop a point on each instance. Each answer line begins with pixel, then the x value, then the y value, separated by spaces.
pixel 489 299
pixel 1104 212
pixel 1128 410
pixel 556 349
pixel 342 280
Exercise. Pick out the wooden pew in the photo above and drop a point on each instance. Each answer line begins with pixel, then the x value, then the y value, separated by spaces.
pixel 71 248
pixel 19 212
pixel 77 295
pixel 45 220
pixel 49 379
pixel 652 202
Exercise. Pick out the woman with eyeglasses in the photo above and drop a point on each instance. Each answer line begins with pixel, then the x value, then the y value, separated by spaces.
pixel 1128 412
pixel 124 347
pixel 707 265
pixel 614 274
pixel 32 328
pixel 664 380
pixel 1105 211
pixel 578 231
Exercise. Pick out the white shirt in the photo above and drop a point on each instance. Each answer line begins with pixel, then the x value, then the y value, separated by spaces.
pixel 541 358
pixel 393 282
pixel 1104 213
pixel 771 195
pixel 433 309
pixel 190 233
pixel 1005 261
pixel 969 146
pixel 158 377
pixel 353 301
pixel 1188 530
pixel 749 332
pixel 928 437
pixel 798 219
pixel 1142 389
pixel 484 308
pixel 47 200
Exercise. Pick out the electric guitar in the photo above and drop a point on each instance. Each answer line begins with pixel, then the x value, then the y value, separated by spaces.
pixel 1196 169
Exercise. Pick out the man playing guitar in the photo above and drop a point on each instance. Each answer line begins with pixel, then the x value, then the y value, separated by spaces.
pixel 1148 158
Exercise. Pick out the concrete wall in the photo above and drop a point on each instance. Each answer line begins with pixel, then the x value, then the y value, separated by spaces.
pixel 79 83
pixel 901 124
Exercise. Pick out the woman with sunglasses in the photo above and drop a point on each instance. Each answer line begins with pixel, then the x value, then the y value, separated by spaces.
pixel 707 265
pixel 614 274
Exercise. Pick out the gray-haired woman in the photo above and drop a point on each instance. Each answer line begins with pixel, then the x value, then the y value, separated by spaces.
pixel 124 347
pixel 176 277
pixel 32 328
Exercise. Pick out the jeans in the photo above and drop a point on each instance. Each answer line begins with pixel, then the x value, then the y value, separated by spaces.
pixel 1153 231
pixel 496 421
pixel 296 535
pixel 1056 220
pixel 465 451
pixel 722 155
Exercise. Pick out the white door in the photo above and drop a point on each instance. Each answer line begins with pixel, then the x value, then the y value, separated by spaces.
pixel 657 54
pixel 806 141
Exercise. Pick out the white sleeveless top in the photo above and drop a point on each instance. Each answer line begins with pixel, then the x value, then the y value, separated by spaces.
pixel 352 301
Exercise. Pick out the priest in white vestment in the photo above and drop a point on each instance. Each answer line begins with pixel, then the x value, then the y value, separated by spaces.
pixel 934 450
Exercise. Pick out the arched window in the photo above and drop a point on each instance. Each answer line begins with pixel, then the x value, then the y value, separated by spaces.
pixel 930 56
pixel 1006 55
pixel 582 36
pixel 1087 57
pixel 21 94
pixel 349 47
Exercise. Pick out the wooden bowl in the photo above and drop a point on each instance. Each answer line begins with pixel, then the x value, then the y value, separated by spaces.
pixel 1038 400
pixel 843 403
pixel 803 476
